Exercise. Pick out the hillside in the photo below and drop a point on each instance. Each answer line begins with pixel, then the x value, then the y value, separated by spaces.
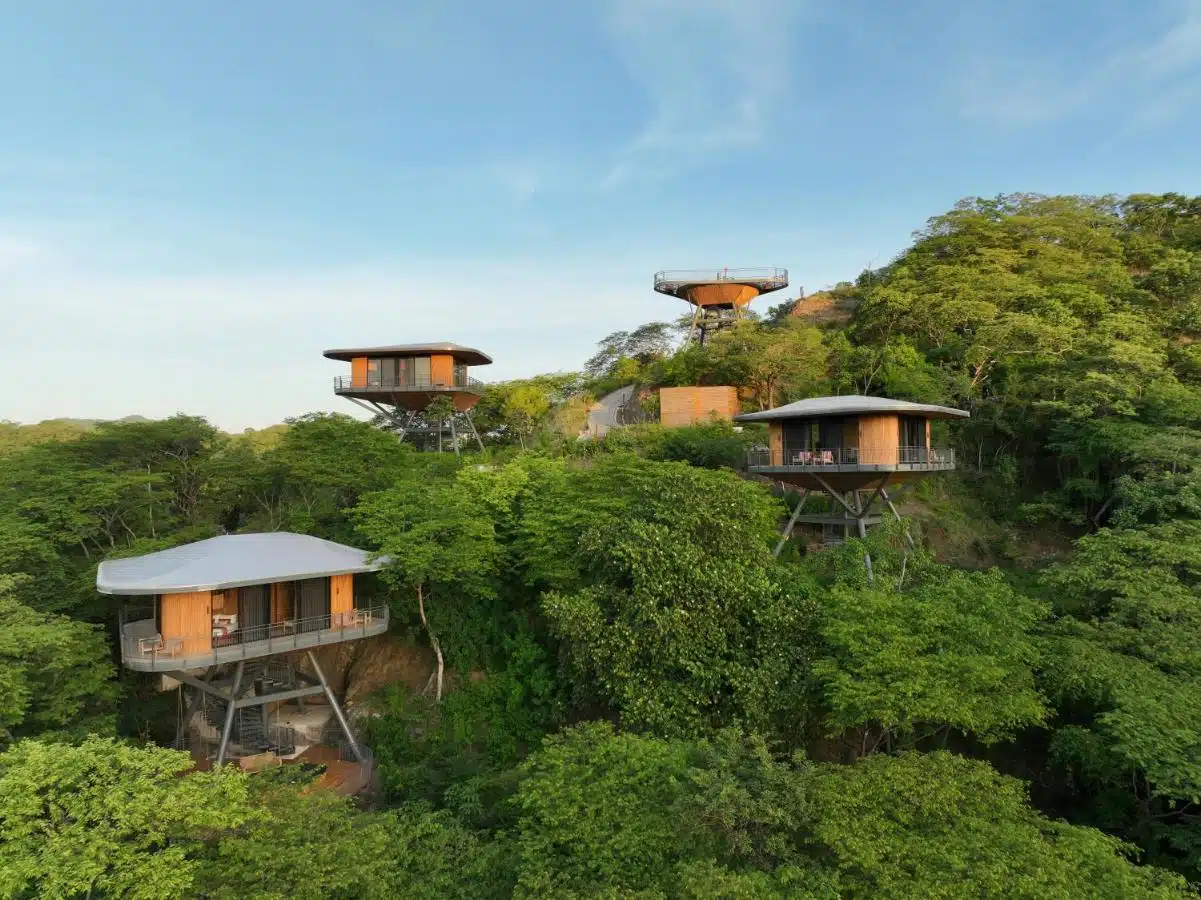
pixel 640 699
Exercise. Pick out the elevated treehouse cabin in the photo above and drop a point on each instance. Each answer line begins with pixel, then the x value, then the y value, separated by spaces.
pixel 399 382
pixel 852 449
pixel 226 617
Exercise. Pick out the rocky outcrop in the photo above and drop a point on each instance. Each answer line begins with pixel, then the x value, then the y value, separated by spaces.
pixel 358 668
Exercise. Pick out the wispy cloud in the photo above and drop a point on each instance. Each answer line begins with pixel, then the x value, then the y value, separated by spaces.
pixel 714 71
pixel 1162 72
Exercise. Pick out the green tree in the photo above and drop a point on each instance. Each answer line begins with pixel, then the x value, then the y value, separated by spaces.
pixel 55 673
pixel 525 407
pixel 441 552
pixel 952 650
pixel 107 819
pixel 773 364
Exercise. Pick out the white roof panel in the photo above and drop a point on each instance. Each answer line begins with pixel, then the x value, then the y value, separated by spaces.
pixel 231 560
pixel 849 405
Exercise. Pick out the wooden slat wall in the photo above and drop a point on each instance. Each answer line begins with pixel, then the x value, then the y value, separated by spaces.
pixel 358 371
pixel 776 442
pixel 341 594
pixel 281 596
pixel 927 434
pixel 879 438
pixel 688 405
pixel 442 370
pixel 188 616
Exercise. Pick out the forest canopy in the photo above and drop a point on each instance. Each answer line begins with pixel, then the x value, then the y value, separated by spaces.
pixel 629 695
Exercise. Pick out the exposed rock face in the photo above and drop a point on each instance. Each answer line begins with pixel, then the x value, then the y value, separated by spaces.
pixel 824 308
pixel 357 668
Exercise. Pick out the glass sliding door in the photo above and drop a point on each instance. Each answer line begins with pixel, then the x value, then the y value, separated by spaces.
pixel 254 611
pixel 913 439
pixel 312 604
pixel 421 371
pixel 798 441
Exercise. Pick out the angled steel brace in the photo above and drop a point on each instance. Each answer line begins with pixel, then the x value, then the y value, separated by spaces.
pixel 791 524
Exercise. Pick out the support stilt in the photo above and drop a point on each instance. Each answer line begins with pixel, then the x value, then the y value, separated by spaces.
pixel 333 702
pixel 791 524
pixel 467 416
pixel 888 500
pixel 454 437
pixel 229 713
pixel 867 557
pixel 190 703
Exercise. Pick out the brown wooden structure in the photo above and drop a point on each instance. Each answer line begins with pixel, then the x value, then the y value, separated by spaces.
pixel 681 406
pixel 718 298
pixel 399 382
pixel 851 449
pixel 223 617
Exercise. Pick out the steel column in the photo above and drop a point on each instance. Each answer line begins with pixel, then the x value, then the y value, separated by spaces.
pixel 467 416
pixel 791 524
pixel 333 702
pixel 229 713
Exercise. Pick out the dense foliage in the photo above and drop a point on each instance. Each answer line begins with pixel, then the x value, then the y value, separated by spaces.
pixel 631 696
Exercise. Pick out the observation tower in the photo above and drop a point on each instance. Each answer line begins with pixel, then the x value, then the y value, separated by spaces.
pixel 719 298
pixel 402 382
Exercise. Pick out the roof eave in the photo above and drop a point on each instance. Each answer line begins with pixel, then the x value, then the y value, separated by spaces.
pixel 129 591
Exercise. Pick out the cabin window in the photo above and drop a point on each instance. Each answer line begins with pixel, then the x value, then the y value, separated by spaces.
pixel 312 604
pixel 830 433
pixel 460 374
pixel 254 611
pixel 404 371
pixel 913 431
pixel 382 372
pixel 798 435
pixel 421 370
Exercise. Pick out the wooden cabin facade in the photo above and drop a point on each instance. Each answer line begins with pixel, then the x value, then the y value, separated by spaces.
pixel 410 376
pixel 239 597
pixel 198 628
pixel 850 443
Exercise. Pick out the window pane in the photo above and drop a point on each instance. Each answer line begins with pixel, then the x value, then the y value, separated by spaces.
pixel 421 369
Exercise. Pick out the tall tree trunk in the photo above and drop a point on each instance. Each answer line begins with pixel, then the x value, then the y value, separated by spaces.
pixel 433 643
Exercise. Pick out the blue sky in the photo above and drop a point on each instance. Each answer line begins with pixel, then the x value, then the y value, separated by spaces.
pixel 197 198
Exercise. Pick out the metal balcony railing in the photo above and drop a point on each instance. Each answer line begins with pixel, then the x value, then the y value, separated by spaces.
pixel 145 649
pixel 343 384
pixel 851 458
pixel 764 277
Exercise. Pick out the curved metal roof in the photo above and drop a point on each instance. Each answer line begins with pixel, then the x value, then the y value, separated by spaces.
pixel 853 404
pixel 231 560
pixel 469 355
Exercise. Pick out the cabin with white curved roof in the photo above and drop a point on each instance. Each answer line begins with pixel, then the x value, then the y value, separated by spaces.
pixel 849 443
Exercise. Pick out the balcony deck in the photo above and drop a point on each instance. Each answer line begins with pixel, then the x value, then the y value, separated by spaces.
pixel 144 650
pixel 376 388
pixel 849 461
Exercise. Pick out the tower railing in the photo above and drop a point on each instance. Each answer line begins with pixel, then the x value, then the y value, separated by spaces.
pixel 343 384
pixel 764 276
pixel 851 458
